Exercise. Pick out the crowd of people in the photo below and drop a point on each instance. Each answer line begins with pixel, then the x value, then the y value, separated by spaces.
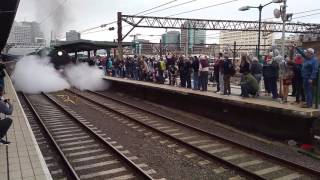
pixel 299 70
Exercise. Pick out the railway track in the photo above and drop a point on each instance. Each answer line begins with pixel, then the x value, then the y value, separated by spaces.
pixel 55 160
pixel 249 162
pixel 84 152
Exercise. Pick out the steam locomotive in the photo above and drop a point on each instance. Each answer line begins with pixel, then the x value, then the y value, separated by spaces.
pixel 58 58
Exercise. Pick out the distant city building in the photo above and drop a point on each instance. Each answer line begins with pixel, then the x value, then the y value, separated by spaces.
pixel 311 41
pixel 171 40
pixel 26 33
pixel 192 40
pixel 212 50
pixel 290 40
pixel 245 38
pixel 73 35
pixel 143 47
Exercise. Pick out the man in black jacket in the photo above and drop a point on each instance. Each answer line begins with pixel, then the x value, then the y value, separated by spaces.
pixel 195 67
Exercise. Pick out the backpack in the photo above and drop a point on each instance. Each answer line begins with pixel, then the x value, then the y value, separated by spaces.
pixel 229 68
pixel 162 66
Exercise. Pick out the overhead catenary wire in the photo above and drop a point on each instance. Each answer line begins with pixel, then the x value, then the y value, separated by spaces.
pixel 301 12
pixel 156 7
pixel 150 9
pixel 198 9
pixel 184 3
pixel 306 16
pixel 205 7
pixel 52 12
pixel 85 32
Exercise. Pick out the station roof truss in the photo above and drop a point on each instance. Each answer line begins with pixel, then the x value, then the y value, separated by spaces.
pixel 207 24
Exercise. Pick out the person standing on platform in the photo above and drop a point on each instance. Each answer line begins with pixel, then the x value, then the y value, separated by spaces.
pixel 204 71
pixel 256 70
pixel 5 108
pixel 270 75
pixel 309 74
pixel 181 65
pixel 109 67
pixel 216 71
pixel 298 79
pixel 171 62
pixel 221 72
pixel 244 68
pixel 287 75
pixel 188 71
pixel 195 67
pixel 265 73
pixel 228 71
pixel 2 74
pixel 161 69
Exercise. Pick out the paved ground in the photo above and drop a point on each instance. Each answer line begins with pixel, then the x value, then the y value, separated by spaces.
pixel 22 158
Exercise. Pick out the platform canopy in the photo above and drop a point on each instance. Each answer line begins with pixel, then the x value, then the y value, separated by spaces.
pixel 8 9
pixel 87 45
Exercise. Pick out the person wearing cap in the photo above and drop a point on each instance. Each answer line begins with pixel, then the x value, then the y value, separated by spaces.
pixel 309 74
pixel 5 108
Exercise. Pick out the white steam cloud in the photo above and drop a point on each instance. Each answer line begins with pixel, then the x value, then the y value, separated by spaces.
pixel 84 77
pixel 33 75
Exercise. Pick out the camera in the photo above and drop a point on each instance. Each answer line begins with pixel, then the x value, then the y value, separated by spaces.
pixel 6 100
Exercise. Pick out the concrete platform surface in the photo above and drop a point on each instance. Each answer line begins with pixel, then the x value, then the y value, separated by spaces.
pixel 22 158
pixel 254 103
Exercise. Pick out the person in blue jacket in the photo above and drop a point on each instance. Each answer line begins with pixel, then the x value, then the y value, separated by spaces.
pixel 309 74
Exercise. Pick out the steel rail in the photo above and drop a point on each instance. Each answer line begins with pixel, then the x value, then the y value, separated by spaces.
pixel 73 173
pixel 100 138
pixel 200 151
pixel 289 163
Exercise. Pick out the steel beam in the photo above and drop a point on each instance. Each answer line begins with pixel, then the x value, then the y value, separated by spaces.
pixel 207 24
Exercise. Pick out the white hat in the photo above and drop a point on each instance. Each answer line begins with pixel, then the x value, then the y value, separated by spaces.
pixel 310 50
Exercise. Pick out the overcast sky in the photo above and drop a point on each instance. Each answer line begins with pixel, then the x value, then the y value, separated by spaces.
pixel 63 15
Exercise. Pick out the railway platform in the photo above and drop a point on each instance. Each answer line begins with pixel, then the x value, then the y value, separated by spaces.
pixel 22 159
pixel 254 114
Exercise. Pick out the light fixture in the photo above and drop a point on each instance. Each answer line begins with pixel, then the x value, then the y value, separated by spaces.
pixel 60 53
pixel 244 8
pixel 278 1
